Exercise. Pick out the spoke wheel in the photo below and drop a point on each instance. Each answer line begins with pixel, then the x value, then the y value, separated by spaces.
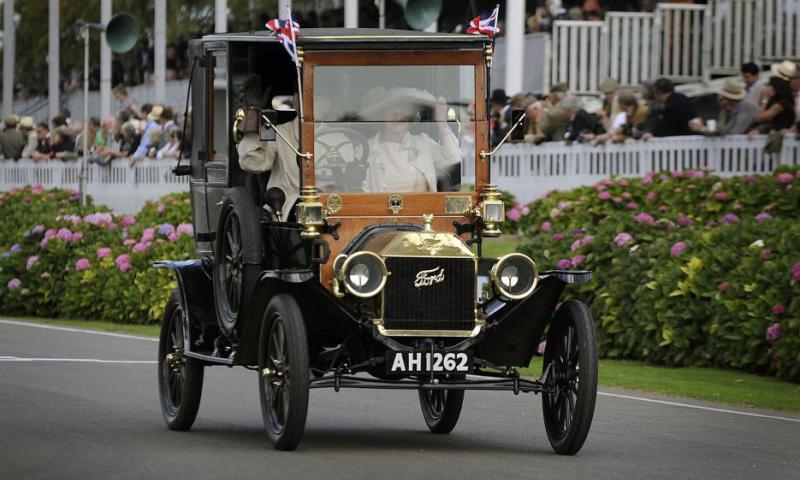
pixel 283 372
pixel 571 355
pixel 441 408
pixel 237 256
pixel 180 380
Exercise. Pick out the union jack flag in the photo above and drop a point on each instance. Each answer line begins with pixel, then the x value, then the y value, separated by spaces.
pixel 484 24
pixel 286 35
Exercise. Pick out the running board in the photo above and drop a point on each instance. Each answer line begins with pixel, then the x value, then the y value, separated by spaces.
pixel 209 358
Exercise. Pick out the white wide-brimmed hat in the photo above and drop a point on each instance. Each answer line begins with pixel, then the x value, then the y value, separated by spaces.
pixel 413 98
pixel 733 90
pixel 784 70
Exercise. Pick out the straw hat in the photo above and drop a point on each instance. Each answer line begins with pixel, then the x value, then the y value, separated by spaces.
pixel 733 90
pixel 410 99
pixel 155 113
pixel 784 70
pixel 26 122
pixel 609 85
pixel 11 121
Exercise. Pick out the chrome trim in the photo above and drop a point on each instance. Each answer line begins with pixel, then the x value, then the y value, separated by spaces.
pixel 496 282
pixel 342 274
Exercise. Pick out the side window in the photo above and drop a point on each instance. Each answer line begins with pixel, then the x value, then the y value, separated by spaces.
pixel 219 110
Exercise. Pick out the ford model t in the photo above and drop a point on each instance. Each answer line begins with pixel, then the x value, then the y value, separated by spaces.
pixel 339 229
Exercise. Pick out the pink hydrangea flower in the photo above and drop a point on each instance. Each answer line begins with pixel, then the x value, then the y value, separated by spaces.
pixel 563 264
pixel 604 196
pixel 749 179
pixel 623 239
pixel 127 221
pixel 14 284
pixel 37 229
pixel 785 177
pixel 165 229
pixel 525 210
pixel 141 247
pixel 161 208
pixel 647 179
pixel 75 237
pixel 50 233
pixel 627 195
pixel 720 196
pixel 186 228
pixel 796 273
pixel 149 234
pixel 586 240
pixel 123 262
pixel 729 218
pixel 663 208
pixel 575 245
pixel 577 260
pixel 684 221
pixel 766 254
pixel 778 309
pixel 103 252
pixel 773 332
pixel 763 217
pixel 64 234
pixel 651 196
pixel 513 214
pixel 37 189
pixel 558 236
pixel 677 174
pixel 82 264
pixel 128 242
pixel 632 206
pixel 623 183
pixel 546 226
pixel 31 261
pixel 724 286
pixel 644 218
pixel 173 237
pixel 678 248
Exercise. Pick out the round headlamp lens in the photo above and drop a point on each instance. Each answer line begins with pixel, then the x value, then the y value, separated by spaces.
pixel 359 275
pixel 509 277
pixel 515 276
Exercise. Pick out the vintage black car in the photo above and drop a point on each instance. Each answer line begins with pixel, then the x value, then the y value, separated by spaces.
pixel 356 262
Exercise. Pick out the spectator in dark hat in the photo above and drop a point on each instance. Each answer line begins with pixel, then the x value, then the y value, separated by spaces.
pixel 677 113
pixel 11 140
pixel 499 115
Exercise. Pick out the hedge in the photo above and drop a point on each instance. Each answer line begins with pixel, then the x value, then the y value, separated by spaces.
pixel 689 268
pixel 65 260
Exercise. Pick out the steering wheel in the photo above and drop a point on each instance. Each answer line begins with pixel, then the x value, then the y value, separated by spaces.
pixel 347 172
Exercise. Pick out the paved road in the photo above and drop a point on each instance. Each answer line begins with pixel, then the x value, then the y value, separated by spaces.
pixel 87 419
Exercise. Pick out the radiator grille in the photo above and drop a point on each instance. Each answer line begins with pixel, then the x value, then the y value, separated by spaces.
pixel 448 304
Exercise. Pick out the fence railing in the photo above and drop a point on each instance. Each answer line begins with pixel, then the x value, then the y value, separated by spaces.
pixel 684 42
pixel 526 170
pixel 118 186
pixel 530 171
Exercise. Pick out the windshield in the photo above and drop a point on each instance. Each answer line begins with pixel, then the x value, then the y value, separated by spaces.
pixel 402 128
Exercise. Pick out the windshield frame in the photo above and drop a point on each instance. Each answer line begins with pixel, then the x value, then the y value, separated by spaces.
pixel 377 205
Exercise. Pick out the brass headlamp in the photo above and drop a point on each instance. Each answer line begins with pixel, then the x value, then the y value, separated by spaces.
pixel 310 213
pixel 491 211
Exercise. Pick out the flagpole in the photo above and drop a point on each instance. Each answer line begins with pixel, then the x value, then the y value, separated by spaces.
pixel 297 67
pixel 489 75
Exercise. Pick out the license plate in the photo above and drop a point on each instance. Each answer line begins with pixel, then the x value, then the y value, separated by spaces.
pixel 427 362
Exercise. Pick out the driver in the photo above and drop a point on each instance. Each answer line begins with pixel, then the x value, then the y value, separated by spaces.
pixel 400 161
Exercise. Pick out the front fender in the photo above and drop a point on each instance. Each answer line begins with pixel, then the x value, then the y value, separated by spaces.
pixel 515 328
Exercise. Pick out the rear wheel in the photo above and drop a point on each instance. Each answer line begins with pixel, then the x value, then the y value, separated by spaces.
pixel 571 355
pixel 441 408
pixel 283 372
pixel 237 256
pixel 180 379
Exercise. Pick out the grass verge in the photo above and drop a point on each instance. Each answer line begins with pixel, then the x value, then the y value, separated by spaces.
pixel 701 383
pixel 712 384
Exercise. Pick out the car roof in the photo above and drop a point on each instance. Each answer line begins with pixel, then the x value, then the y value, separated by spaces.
pixel 344 37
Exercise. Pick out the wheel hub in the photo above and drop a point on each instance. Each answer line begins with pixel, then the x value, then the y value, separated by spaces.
pixel 175 360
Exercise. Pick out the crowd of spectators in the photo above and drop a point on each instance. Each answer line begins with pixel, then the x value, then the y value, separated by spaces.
pixel 751 106
pixel 135 133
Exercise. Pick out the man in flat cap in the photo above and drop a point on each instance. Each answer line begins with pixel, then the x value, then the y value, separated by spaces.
pixel 11 140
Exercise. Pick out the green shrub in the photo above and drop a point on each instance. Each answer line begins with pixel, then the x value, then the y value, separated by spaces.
pixel 689 269
pixel 64 260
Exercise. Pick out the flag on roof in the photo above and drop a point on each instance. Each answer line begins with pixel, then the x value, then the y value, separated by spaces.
pixel 485 24
pixel 286 34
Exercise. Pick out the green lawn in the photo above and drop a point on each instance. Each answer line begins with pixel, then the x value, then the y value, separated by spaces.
pixel 726 386
pixel 495 247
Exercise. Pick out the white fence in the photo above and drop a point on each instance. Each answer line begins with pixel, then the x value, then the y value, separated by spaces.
pixel 118 186
pixel 531 171
pixel 528 171
pixel 683 42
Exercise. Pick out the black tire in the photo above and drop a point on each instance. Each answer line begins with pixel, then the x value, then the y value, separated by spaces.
pixel 571 353
pixel 180 379
pixel 441 408
pixel 283 372
pixel 237 256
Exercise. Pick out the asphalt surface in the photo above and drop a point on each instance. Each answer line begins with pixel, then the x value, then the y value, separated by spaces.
pixel 87 419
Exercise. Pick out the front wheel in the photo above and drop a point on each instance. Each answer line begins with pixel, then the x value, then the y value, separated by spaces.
pixel 571 356
pixel 441 408
pixel 180 379
pixel 283 372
